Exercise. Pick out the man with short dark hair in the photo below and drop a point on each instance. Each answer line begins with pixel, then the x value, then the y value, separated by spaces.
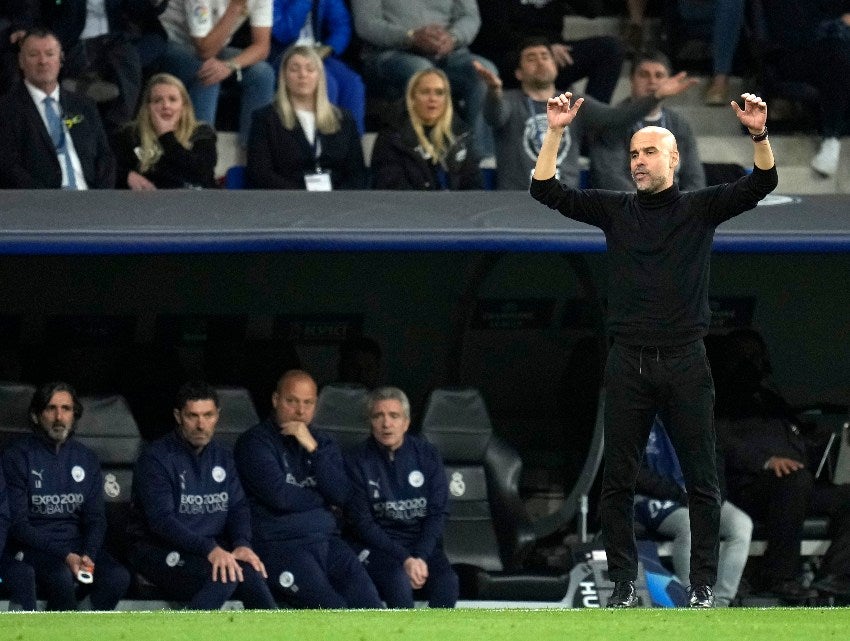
pixel 56 503
pixel 193 526
pixel 504 23
pixel 295 479
pixel 398 506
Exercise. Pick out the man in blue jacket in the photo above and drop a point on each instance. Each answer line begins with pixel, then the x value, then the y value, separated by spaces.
pixel 296 482
pixel 193 522
pixel 398 506
pixel 57 510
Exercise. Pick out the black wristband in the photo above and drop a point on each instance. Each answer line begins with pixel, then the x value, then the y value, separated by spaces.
pixel 760 136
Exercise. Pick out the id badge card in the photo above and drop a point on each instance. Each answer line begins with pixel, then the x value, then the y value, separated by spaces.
pixel 319 181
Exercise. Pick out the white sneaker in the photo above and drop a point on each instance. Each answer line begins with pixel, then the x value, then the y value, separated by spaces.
pixel 825 161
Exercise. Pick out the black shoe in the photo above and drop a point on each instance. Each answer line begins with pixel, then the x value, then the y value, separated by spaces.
pixel 623 595
pixel 832 584
pixel 700 596
pixel 792 590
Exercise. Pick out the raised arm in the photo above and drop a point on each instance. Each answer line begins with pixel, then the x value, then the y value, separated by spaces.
pixel 559 114
pixel 754 117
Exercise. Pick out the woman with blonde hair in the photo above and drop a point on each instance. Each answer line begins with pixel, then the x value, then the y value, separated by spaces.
pixel 165 147
pixel 301 140
pixel 428 147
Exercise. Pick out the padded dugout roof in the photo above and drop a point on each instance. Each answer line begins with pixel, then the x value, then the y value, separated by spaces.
pixel 120 222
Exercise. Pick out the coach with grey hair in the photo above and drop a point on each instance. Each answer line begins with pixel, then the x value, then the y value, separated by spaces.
pixel 398 507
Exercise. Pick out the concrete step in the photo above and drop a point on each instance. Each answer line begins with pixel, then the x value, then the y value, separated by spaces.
pixel 793 154
pixel 789 150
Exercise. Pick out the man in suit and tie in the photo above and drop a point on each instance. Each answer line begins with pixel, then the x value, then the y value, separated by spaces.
pixel 55 138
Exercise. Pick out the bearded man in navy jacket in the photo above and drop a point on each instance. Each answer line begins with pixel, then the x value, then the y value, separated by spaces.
pixel 192 521
pixel 398 506
pixel 296 482
pixel 56 504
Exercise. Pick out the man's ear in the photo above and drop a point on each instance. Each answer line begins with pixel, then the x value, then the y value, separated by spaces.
pixel 674 158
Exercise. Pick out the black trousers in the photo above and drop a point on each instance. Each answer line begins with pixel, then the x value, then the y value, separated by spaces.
pixel 675 381
pixel 782 504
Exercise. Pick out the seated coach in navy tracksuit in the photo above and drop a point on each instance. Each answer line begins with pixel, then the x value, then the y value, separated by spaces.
pixel 296 482
pixel 18 578
pixel 192 527
pixel 398 506
pixel 56 504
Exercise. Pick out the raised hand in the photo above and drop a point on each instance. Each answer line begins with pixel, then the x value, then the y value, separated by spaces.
pixel 301 432
pixel 490 79
pixel 754 114
pixel 674 85
pixel 559 112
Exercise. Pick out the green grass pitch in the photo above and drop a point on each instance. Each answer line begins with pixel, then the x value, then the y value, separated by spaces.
pixel 735 624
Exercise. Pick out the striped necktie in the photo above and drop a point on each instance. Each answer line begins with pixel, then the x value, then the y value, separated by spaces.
pixel 57 134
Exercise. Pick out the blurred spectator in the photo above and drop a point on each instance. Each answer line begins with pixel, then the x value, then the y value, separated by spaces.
pixel 718 22
pixel 325 25
pixel 633 29
pixel 401 37
pixel 661 506
pixel 193 528
pixel 16 17
pixel 518 116
pixel 56 503
pixel 165 147
pixel 428 148
pixel 100 61
pixel 505 24
pixel 770 461
pixel 58 140
pixel 359 361
pixel 811 42
pixel 608 148
pixel 301 141
pixel 199 53
pixel 398 506
pixel 146 32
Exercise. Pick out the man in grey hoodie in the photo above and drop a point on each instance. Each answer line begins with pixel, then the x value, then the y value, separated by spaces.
pixel 518 116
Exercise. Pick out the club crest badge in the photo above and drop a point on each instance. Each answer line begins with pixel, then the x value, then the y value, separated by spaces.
pixel 111 487
pixel 415 478
pixel 457 486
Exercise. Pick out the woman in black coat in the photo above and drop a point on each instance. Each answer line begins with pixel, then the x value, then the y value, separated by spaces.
pixel 302 141
pixel 165 147
pixel 428 148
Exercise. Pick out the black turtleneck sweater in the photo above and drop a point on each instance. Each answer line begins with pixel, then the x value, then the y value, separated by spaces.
pixel 659 246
